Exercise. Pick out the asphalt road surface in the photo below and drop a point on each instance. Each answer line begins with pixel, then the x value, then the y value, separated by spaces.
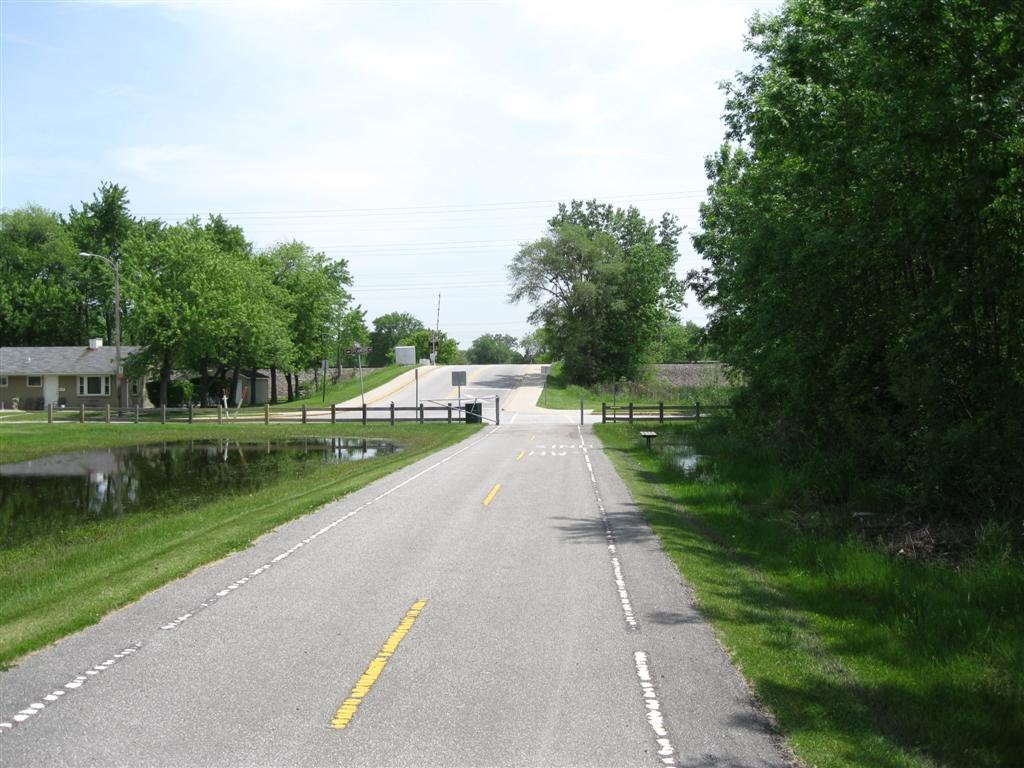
pixel 500 603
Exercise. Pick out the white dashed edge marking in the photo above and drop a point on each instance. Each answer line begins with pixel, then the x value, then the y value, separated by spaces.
pixel 72 685
pixel 613 550
pixel 655 718
pixel 80 680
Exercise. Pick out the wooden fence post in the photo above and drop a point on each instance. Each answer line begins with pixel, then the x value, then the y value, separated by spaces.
pixel 392 413
pixel 303 414
pixel 630 413
pixel 581 411
pixel 698 409
pixel 497 412
pixel 49 414
pixel 163 413
pixel 136 413
pixel 661 412
pixel 421 413
pixel 604 413
pixel 364 414
pixel 334 413
pixel 190 413
pixel 266 413
pixel 106 415
pixel 81 413
pixel 220 414
pixel 449 413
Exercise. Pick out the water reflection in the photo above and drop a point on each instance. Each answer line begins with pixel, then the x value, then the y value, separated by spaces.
pixel 64 491
pixel 682 455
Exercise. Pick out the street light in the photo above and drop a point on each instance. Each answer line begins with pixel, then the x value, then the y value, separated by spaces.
pixel 114 265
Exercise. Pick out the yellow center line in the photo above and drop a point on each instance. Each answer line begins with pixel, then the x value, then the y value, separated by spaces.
pixel 348 708
pixel 521 454
pixel 492 494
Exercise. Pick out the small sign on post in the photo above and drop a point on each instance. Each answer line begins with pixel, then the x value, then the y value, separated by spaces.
pixel 459 380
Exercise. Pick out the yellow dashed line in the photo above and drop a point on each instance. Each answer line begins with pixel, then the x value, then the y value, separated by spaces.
pixel 492 494
pixel 349 707
pixel 521 454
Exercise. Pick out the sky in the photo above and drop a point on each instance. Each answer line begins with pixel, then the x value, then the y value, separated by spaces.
pixel 423 142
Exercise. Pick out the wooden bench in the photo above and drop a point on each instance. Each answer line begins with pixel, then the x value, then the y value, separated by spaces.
pixel 648 436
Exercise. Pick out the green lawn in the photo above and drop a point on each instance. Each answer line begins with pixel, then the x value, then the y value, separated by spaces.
pixel 59 583
pixel 344 390
pixel 864 658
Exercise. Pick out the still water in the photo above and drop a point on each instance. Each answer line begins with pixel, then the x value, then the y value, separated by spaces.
pixel 62 492
pixel 682 455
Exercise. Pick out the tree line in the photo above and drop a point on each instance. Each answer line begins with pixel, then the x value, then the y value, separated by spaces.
pixel 864 246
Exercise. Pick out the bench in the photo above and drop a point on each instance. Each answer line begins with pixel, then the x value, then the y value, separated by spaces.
pixel 648 436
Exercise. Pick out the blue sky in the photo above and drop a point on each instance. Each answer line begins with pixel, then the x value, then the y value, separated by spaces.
pixel 420 141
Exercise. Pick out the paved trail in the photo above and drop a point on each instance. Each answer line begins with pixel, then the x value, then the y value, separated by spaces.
pixel 500 603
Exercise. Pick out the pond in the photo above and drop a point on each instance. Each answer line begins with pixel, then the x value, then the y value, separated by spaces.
pixel 682 455
pixel 61 492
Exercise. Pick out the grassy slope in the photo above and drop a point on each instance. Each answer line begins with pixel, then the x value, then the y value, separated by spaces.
pixel 345 390
pixel 59 584
pixel 558 393
pixel 865 659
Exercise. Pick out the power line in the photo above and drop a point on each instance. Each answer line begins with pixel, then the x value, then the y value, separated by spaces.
pixel 427 209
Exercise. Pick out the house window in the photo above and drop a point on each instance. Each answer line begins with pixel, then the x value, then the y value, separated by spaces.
pixel 94 385
pixel 135 389
pixel 3 381
pixel 35 381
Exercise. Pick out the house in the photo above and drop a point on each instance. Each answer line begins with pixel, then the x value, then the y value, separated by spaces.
pixel 31 378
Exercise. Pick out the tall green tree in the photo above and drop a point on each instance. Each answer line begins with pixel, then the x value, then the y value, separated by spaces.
pixel 863 239
pixel 317 298
pixel 388 331
pixel 102 226
pixel 602 283
pixel 424 338
pixel 491 348
pixel 44 286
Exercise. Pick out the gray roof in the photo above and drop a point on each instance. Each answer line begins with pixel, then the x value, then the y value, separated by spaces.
pixel 36 361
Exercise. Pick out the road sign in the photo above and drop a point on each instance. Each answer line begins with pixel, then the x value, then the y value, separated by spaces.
pixel 458 378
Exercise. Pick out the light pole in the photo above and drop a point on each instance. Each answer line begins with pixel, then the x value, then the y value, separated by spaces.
pixel 115 264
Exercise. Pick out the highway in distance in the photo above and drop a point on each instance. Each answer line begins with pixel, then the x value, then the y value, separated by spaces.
pixel 501 603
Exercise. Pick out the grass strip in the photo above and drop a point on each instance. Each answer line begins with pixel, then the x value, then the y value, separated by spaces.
pixel 865 659
pixel 60 583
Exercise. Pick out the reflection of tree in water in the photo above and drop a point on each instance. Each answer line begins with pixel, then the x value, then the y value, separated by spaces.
pixel 168 476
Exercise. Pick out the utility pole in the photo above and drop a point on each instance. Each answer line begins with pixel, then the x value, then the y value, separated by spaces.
pixel 114 261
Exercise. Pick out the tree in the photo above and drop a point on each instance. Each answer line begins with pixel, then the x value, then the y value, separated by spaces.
pixel 532 346
pixel 680 343
pixel 447 348
pixel 493 348
pixel 388 331
pixel 602 282
pixel 103 226
pixel 863 238
pixel 43 281
pixel 316 297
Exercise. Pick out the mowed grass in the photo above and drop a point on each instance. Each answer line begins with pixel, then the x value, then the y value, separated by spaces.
pixel 560 394
pixel 59 583
pixel 864 658
pixel 343 390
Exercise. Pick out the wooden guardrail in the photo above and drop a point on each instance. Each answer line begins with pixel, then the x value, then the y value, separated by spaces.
pixel 660 412
pixel 332 414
